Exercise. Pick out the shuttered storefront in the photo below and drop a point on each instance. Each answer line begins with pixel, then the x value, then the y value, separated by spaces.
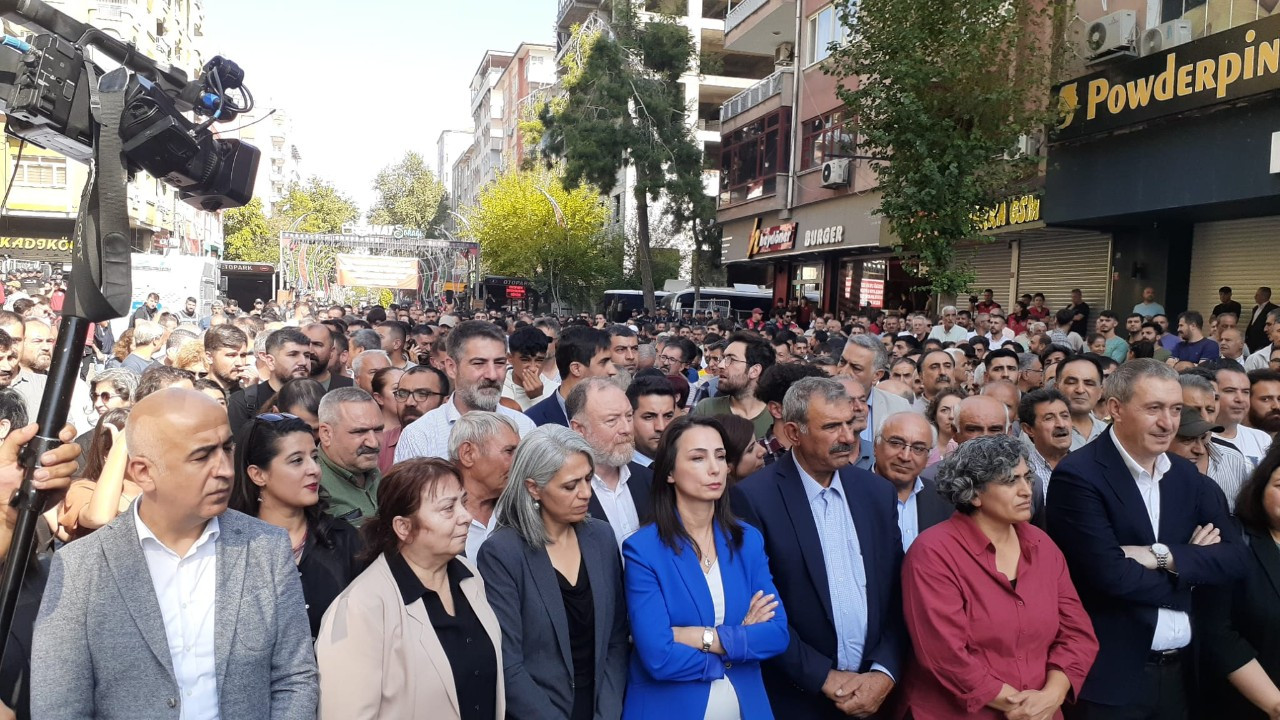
pixel 1055 262
pixel 1241 254
pixel 991 264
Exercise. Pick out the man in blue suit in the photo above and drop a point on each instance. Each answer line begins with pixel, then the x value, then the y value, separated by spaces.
pixel 581 352
pixel 1140 528
pixel 831 534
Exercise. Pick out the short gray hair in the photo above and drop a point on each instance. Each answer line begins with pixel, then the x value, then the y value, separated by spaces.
pixel 146 332
pixel 795 404
pixel 577 400
pixel 966 472
pixel 872 343
pixel 359 361
pixel 329 404
pixel 478 427
pixel 366 339
pixel 1121 383
pixel 178 338
pixel 539 457
pixel 1026 359
pixel 260 343
pixel 123 382
pixel 1195 382
pixel 646 351
pixel 948 308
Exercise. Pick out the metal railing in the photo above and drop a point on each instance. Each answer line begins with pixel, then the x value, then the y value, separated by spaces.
pixel 739 12
pixel 754 95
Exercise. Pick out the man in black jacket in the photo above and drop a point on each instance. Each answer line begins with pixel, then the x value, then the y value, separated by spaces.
pixel 1256 334
pixel 287 357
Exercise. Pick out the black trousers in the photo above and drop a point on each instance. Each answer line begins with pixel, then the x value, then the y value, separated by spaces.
pixel 1168 697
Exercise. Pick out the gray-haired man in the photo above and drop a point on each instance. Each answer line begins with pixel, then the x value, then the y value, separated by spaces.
pixel 481 446
pixel 351 428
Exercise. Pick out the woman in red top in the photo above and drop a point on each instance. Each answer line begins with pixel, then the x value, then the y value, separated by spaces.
pixel 996 624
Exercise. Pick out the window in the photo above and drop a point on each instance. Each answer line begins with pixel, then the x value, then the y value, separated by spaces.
pixel 825 30
pixel 752 157
pixel 825 137
pixel 46 172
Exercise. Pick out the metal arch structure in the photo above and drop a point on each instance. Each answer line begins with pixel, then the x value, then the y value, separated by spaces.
pixel 434 255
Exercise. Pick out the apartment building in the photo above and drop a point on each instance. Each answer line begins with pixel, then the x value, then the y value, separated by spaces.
pixel 270 129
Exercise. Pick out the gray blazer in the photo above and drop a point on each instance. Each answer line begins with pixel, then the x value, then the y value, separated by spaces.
pixel 525 595
pixel 100 649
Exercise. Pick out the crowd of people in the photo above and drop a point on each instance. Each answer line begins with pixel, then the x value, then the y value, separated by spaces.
pixel 428 512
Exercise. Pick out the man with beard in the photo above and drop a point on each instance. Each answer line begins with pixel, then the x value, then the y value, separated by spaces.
pixel 600 412
pixel 482 446
pixel 476 364
pixel 1233 407
pixel 581 352
pixel 937 371
pixel 1080 380
pixel 902 452
pixel 37 350
pixel 227 355
pixel 1194 347
pixel 10 367
pixel 351 428
pixel 393 334
pixel 1264 401
pixel 1046 421
pixel 320 351
pixel 745 358
pixel 285 356
pixel 653 407
pixel 420 390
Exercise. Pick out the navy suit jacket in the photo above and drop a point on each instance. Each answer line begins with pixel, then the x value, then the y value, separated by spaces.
pixel 547 411
pixel 1097 508
pixel 773 500
pixel 640 486
pixel 931 508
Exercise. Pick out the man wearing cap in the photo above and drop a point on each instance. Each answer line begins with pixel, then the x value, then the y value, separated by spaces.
pixel 1194 442
pixel 214 309
pixel 756 321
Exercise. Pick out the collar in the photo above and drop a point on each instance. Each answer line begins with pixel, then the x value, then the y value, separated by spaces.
pixel 811 487
pixel 641 459
pixel 1161 467
pixel 410 587
pixel 212 530
pixel 914 491
pixel 451 412
pixel 342 472
pixel 978 544
pixel 624 474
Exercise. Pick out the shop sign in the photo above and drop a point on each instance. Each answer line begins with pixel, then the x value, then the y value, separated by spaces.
pixel 775 239
pixel 19 247
pixel 247 267
pixel 871 292
pixel 1220 68
pixel 1019 210
pixel 833 235
pixel 515 292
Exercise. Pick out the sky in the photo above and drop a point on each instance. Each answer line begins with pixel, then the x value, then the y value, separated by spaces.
pixel 364 82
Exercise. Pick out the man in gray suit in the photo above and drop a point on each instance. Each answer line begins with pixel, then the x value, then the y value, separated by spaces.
pixel 179 608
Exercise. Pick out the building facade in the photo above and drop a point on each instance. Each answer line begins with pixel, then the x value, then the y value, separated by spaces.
pixel 482 161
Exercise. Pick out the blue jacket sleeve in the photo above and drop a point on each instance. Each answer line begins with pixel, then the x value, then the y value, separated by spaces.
pixel 761 641
pixel 662 657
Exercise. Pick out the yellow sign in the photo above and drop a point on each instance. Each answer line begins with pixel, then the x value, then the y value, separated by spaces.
pixel 49 245
pixel 1015 211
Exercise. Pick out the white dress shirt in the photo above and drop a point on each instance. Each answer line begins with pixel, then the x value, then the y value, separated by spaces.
pixel 477 533
pixel 1173 627
pixel 619 507
pixel 186 587
pixel 428 436
pixel 909 517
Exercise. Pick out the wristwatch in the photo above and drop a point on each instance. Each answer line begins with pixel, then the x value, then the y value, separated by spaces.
pixel 708 637
pixel 1161 551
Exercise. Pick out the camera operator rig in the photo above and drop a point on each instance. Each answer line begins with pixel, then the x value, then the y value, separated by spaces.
pixel 55 95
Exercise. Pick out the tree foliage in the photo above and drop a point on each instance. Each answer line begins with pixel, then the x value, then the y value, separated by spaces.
pixel 941 91
pixel 520 235
pixel 624 106
pixel 325 209
pixel 409 194
pixel 250 236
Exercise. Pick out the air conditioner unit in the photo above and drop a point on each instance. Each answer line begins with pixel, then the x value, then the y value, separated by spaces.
pixel 1025 146
pixel 1165 36
pixel 1112 34
pixel 836 173
pixel 785 54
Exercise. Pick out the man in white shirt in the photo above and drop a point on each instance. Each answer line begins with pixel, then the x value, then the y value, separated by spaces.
pixel 1233 407
pixel 600 412
pixel 178 608
pixel 949 331
pixel 481 446
pixel 476 365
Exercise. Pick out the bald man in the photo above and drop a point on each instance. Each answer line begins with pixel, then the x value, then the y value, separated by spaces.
pixel 977 416
pixel 902 452
pixel 1009 396
pixel 178 561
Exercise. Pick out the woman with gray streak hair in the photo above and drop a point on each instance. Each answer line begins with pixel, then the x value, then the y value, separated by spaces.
pixel 555 582
pixel 997 626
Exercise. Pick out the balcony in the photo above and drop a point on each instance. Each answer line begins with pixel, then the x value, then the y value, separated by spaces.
pixel 757 26
pixel 757 94
pixel 574 12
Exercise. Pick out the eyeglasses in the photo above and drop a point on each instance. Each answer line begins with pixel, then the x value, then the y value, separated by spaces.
pixel 419 395
pixel 729 360
pixel 671 360
pixel 276 417
pixel 105 397
pixel 898 445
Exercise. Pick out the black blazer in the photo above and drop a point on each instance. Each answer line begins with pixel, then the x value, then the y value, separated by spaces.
pixel 773 500
pixel 1096 509
pixel 328 568
pixel 537 661
pixel 244 404
pixel 1255 335
pixel 640 485
pixel 931 509
pixel 547 412
pixel 340 381
pixel 1238 623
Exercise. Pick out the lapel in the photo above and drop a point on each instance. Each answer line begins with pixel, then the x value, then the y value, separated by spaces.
pixel 686 565
pixel 233 556
pixel 417 612
pixel 601 592
pixel 1264 548
pixel 864 525
pixel 733 575
pixel 544 577
pixel 640 486
pixel 1119 480
pixel 474 592
pixel 123 554
pixel 791 487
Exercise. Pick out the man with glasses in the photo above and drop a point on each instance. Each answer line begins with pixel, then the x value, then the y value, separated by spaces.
pixel 745 358
pixel 675 357
pixel 902 452
pixel 1030 372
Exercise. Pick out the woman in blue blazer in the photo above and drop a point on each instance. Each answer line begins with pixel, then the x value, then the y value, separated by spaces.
pixel 702 603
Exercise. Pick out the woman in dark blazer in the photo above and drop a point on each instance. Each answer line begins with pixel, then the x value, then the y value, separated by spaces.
pixel 555 582
pixel 702 602
pixel 1238 625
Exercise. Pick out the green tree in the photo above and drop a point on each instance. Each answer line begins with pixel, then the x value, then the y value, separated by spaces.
pixel 249 235
pixel 624 106
pixel 941 91
pixel 319 205
pixel 410 195
pixel 566 256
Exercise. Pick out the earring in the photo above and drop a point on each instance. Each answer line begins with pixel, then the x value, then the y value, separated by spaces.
pixel 537 505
